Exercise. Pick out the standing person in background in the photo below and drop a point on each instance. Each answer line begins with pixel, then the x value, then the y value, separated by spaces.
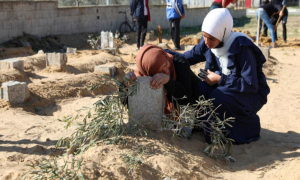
pixel 175 12
pixel 221 4
pixel 266 11
pixel 283 14
pixel 141 14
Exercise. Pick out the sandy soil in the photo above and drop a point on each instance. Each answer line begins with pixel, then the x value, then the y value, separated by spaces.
pixel 30 131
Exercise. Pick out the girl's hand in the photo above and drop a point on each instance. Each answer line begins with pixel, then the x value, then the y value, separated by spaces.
pixel 129 77
pixel 212 78
pixel 158 80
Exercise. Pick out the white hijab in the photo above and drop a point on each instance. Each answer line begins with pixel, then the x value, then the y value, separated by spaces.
pixel 218 23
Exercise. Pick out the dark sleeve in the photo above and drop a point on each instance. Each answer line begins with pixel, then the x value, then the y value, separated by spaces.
pixel 132 6
pixel 274 10
pixel 195 55
pixel 181 87
pixel 247 81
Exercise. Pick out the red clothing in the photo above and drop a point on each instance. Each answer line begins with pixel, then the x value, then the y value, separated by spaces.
pixel 148 10
pixel 220 2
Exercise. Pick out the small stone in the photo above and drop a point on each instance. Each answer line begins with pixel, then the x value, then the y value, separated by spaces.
pixel 71 50
pixel 109 69
pixel 41 52
pixel 163 45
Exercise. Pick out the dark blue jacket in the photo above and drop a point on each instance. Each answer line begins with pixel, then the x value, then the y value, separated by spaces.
pixel 241 94
pixel 243 80
pixel 137 9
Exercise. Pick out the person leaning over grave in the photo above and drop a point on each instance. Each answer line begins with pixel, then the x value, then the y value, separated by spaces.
pixel 141 14
pixel 234 79
pixel 221 4
pixel 266 11
pixel 175 12
pixel 283 16
pixel 171 71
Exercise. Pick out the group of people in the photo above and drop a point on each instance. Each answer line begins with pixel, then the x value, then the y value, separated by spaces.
pixel 139 9
pixel 234 80
pixel 270 13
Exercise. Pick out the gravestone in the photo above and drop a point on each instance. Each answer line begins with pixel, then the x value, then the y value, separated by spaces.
pixel 12 63
pixel 59 59
pixel 146 107
pixel 109 69
pixel 71 50
pixel 14 92
pixel 265 51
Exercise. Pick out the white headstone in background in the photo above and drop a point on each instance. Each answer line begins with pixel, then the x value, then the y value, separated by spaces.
pixel 104 40
pixel 111 40
pixel 71 50
pixel 58 59
pixel 14 92
pixel 12 63
pixel 109 69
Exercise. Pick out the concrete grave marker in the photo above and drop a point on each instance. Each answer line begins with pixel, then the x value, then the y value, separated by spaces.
pixel 58 59
pixel 147 105
pixel 12 63
pixel 14 92
pixel 265 51
pixel 106 69
pixel 71 50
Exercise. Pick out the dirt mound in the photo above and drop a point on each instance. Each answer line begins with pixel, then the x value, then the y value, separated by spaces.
pixel 15 52
pixel 35 63
pixel 68 85
pixel 246 32
pixel 189 41
pixel 12 75
pixel 47 43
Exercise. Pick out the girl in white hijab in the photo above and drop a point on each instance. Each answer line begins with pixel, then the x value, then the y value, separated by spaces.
pixel 234 75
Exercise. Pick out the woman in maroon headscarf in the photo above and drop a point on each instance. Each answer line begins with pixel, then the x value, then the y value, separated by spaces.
pixel 171 71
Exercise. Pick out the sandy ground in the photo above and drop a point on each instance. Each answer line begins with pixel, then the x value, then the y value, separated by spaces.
pixel 30 131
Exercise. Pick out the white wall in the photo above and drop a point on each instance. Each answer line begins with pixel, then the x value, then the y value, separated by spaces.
pixel 43 18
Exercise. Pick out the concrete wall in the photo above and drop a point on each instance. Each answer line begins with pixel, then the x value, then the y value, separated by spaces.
pixel 103 2
pixel 43 18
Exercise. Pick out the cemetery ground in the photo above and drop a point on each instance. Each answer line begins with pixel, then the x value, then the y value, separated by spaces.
pixel 30 131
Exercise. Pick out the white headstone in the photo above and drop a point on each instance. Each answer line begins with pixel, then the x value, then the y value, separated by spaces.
pixel 109 69
pixel 58 59
pixel 71 50
pixel 104 40
pixel 147 105
pixel 12 63
pixel 15 92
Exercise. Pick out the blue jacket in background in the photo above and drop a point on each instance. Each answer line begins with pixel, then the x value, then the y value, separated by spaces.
pixel 174 9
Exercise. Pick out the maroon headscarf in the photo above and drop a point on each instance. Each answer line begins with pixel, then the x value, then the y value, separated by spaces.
pixel 148 60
